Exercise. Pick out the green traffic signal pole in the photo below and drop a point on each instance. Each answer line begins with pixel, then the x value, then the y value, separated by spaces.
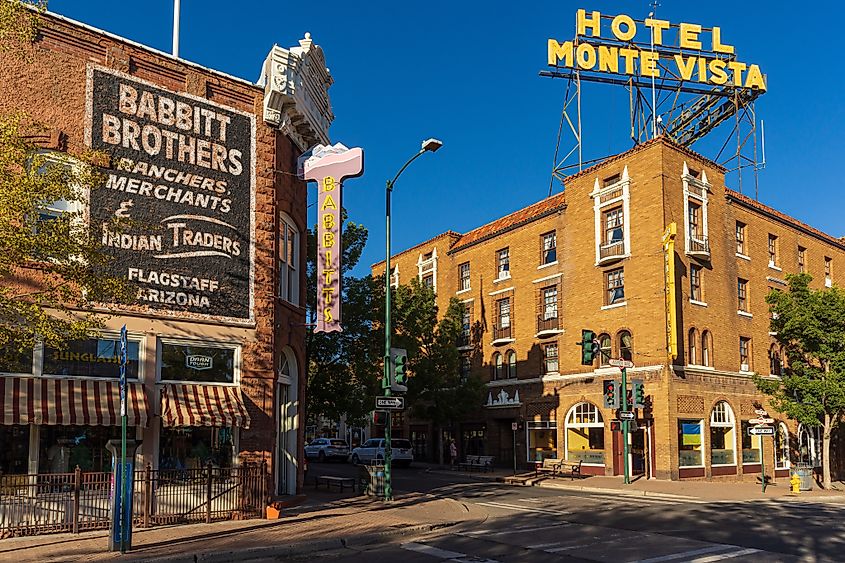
pixel 627 476
pixel 428 145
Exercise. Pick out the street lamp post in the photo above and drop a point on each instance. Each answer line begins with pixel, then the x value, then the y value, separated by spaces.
pixel 429 145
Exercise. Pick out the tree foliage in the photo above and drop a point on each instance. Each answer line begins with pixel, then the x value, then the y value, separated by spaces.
pixel 810 327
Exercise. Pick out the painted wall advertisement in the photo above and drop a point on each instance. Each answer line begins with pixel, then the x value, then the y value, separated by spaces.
pixel 183 179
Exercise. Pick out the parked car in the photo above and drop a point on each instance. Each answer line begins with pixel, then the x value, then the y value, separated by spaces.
pixel 373 450
pixel 327 448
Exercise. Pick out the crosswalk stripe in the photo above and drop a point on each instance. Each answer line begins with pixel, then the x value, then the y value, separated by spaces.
pixel 431 550
pixel 523 508
pixel 681 555
pixel 721 556
pixel 474 533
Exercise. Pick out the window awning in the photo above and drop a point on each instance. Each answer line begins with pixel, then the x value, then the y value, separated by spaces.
pixel 202 405
pixel 81 402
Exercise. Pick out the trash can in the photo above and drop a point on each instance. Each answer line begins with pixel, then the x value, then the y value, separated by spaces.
pixel 805 474
pixel 371 480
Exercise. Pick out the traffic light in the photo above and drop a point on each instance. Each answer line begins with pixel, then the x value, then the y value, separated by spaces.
pixel 610 391
pixel 589 347
pixel 639 394
pixel 398 370
pixel 379 418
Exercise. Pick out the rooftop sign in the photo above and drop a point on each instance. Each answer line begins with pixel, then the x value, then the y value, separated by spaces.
pixel 623 46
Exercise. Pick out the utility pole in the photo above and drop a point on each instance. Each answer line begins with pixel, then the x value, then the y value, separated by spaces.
pixel 627 469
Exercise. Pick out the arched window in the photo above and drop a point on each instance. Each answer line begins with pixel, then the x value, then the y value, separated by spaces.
pixel 782 447
pixel 511 364
pixel 775 363
pixel 605 351
pixel 809 445
pixel 498 366
pixel 585 434
pixel 722 435
pixel 289 267
pixel 626 345
pixel 692 344
pixel 706 349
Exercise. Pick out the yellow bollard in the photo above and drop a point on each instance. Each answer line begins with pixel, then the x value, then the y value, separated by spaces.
pixel 795 481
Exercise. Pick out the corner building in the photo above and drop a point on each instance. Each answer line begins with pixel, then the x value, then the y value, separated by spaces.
pixel 216 339
pixel 592 258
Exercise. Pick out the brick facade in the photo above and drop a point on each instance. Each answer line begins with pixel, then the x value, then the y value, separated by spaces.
pixel 648 184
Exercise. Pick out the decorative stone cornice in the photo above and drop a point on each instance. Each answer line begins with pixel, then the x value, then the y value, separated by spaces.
pixel 296 93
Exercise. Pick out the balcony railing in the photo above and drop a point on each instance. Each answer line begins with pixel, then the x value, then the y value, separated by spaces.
pixel 547 324
pixel 612 250
pixel 698 245
pixel 502 332
pixel 464 340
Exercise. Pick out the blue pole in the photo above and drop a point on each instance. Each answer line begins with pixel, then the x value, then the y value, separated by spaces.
pixel 123 480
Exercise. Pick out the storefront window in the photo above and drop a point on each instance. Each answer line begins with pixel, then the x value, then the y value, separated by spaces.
pixel 689 443
pixel 63 448
pixel 542 439
pixel 722 435
pixel 14 455
pixel 192 447
pixel 94 357
pixel 782 447
pixel 585 434
pixel 750 445
pixel 191 362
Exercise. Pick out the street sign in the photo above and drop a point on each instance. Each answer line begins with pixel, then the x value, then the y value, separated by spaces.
pixel 761 412
pixel 626 415
pixel 390 403
pixel 761 431
pixel 762 421
pixel 514 426
pixel 621 363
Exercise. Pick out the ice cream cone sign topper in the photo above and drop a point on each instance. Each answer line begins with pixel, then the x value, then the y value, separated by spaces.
pixel 329 166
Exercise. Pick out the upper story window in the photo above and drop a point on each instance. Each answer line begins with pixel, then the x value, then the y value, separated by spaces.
pixel 547 314
pixel 394 277
pixel 288 237
pixel 466 322
pixel 550 358
pixel 548 248
pixel 511 358
pixel 802 259
pixel 775 361
pixel 692 344
pixel 828 271
pixel 611 206
pixel 615 286
pixel 696 192
pixel 773 251
pixel 550 302
pixel 742 295
pixel 706 348
pixel 744 353
pixel 605 350
pixel 503 307
pixel 740 238
pixel 427 269
pixel 626 345
pixel 695 288
pixel 498 366
pixel 428 280
pixel 463 271
pixel 503 263
pixel 466 366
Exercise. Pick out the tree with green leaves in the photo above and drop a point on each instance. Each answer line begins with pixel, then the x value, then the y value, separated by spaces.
pixel 809 324
pixel 437 390
pixel 51 275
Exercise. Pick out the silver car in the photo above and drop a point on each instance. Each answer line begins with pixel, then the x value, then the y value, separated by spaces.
pixel 373 451
pixel 324 449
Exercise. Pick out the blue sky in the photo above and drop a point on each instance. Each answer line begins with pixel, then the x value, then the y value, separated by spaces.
pixel 467 73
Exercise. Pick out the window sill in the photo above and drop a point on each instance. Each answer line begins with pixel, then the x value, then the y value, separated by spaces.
pixel 828 282
pixel 465 348
pixel 546 333
pixel 743 256
pixel 723 465
pixel 541 266
pixel 699 303
pixel 612 258
pixel 690 467
pixel 500 341
pixel 501 279
pixel 745 314
pixel 775 267
pixel 613 306
pixel 698 366
pixel 462 291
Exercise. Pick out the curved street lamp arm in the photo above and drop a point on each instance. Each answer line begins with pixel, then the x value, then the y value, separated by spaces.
pixel 412 159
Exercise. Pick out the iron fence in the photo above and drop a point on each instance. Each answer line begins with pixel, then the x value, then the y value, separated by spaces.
pixel 78 501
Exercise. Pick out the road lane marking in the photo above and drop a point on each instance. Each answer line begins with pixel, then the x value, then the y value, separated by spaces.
pixel 518 508
pixel 721 556
pixel 431 550
pixel 543 545
pixel 513 530
pixel 683 554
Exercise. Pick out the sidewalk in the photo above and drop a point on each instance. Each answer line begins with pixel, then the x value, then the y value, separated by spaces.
pixel 308 529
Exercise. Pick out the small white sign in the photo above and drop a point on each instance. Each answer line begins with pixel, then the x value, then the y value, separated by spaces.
pixel 762 431
pixel 199 363
pixel 514 426
pixel 621 363
pixel 761 421
pixel 761 412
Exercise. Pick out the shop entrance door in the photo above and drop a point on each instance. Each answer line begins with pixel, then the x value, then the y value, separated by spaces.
pixel 638 452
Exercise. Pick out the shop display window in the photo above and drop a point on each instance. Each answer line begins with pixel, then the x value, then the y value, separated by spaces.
pixel 13 360
pixel 93 357
pixel 750 445
pixel 197 363
pixel 193 447
pixel 585 434
pixel 14 453
pixel 542 440
pixel 63 448
pixel 689 443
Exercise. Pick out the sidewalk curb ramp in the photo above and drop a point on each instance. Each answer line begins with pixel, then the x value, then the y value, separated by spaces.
pixel 294 549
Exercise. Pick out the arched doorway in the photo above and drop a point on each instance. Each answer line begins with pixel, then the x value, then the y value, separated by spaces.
pixel 287 420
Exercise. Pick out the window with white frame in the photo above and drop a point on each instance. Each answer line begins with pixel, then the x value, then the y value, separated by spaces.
pixel 742 295
pixel 584 431
pixel 611 209
pixel 466 366
pixel 740 238
pixel 782 447
pixel 775 361
pixel 288 238
pixel 503 263
pixel 744 353
pixel 615 286
pixel 504 312
pixel 498 367
pixel 690 443
pixel 750 445
pixel 722 435
pixel 706 349
pixel 542 439
pixel 550 358
pixel 549 303
pixel 692 343
pixel 695 288
pixel 828 271
pixel 605 350
pixel 427 269
pixel 626 345
pixel 511 357
pixel 802 257
pixel 696 192
pixel 548 248
pixel 394 277
pixel 463 272
pixel 810 445
pixel 773 251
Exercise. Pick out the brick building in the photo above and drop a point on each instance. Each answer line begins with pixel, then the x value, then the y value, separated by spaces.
pixel 216 340
pixel 592 258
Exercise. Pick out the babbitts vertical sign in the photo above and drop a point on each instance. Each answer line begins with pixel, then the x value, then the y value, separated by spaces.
pixel 183 178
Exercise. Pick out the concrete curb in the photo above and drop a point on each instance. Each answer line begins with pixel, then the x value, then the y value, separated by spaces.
pixel 294 549
pixel 616 492
pixel 475 477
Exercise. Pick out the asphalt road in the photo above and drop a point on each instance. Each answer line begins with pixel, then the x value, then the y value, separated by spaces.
pixel 536 524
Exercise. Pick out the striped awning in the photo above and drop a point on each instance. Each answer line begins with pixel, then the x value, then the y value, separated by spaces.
pixel 83 402
pixel 202 405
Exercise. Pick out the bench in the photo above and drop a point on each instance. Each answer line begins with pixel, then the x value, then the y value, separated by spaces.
pixel 479 462
pixel 571 467
pixel 329 480
pixel 549 465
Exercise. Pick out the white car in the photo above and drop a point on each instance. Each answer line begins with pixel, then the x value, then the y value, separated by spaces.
pixel 327 448
pixel 373 451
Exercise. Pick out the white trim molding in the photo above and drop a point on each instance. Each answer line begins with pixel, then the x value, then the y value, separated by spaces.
pixel 695 189
pixel 610 196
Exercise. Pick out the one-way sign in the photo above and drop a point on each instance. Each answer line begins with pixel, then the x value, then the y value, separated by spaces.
pixel 626 415
pixel 390 403
pixel 762 431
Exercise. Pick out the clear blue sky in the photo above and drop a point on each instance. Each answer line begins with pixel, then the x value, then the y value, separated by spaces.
pixel 466 72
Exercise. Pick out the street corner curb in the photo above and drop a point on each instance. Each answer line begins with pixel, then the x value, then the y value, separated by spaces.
pixel 618 492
